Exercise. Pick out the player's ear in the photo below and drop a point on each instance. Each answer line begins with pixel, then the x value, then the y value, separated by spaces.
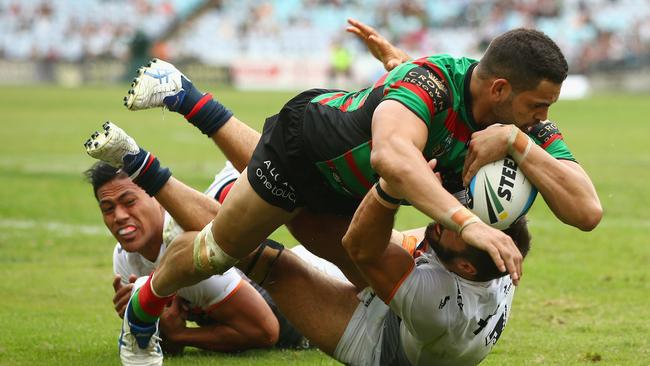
pixel 500 89
pixel 464 267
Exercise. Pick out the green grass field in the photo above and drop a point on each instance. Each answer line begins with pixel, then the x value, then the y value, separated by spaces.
pixel 583 299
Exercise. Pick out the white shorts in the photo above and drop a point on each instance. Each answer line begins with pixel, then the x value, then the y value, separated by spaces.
pixel 319 263
pixel 361 343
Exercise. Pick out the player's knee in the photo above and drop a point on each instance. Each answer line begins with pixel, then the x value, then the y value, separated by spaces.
pixel 179 251
pixel 208 256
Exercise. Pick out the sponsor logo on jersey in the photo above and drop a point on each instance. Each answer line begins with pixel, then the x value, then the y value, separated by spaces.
pixel 369 300
pixel 431 84
pixel 494 335
pixel 337 178
pixel 443 148
pixel 545 133
pixel 443 302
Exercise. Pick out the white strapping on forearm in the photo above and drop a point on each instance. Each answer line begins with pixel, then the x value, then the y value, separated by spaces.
pixel 519 144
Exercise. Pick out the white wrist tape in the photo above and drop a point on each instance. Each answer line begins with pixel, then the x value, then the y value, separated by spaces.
pixel 519 144
pixel 458 218
pixel 209 258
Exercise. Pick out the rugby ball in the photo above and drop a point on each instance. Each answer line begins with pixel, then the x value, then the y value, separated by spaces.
pixel 500 193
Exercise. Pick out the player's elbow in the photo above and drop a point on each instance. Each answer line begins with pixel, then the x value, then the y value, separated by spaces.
pixel 380 159
pixel 264 331
pixel 591 217
pixel 355 252
pixel 387 163
pixel 266 335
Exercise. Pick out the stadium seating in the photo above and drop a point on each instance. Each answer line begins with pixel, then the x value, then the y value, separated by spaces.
pixel 594 35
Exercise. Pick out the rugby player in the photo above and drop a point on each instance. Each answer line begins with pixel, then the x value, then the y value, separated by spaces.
pixel 232 314
pixel 326 150
pixel 448 305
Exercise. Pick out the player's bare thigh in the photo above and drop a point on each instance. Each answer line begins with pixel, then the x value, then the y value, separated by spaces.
pixel 245 219
pixel 318 305
pixel 322 234
pixel 237 141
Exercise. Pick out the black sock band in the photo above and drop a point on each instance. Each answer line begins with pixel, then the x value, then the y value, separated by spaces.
pixel 201 110
pixel 145 171
pixel 154 178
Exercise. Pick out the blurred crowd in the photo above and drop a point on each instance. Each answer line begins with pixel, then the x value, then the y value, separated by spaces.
pixel 78 30
pixel 594 34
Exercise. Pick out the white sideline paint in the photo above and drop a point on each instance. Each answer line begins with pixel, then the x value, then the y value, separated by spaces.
pixel 57 227
pixel 68 229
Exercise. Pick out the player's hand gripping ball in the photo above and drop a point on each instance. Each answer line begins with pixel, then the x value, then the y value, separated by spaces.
pixel 500 193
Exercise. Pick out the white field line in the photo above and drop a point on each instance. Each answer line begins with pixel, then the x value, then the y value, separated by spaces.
pixel 68 229
pixel 57 227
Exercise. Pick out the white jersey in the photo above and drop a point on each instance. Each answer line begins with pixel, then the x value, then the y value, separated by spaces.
pixel 448 320
pixel 206 295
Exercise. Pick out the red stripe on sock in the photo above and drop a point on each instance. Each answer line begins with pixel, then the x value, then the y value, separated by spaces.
pixel 197 107
pixel 149 302
pixel 149 162
pixel 224 191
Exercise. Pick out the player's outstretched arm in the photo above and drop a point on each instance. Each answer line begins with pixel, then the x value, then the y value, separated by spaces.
pixel 399 137
pixel 191 209
pixel 565 186
pixel 389 55
pixel 368 243
pixel 242 322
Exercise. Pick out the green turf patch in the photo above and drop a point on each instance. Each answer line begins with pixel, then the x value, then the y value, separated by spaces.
pixel 583 298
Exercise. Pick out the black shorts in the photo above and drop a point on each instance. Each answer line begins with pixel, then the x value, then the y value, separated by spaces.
pixel 282 170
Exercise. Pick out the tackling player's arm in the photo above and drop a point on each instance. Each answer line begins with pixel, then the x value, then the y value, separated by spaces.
pixel 398 138
pixel 242 321
pixel 370 243
pixel 565 186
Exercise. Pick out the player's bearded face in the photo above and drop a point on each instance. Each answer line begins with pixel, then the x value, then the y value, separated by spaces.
pixel 445 243
pixel 133 217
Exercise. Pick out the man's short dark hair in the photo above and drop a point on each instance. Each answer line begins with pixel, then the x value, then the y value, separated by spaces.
pixel 486 270
pixel 524 57
pixel 101 173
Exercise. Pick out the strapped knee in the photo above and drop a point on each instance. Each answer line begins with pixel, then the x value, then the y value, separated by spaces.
pixel 209 258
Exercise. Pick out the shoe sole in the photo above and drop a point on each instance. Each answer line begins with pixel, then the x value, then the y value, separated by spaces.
pixel 136 85
pixel 99 142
